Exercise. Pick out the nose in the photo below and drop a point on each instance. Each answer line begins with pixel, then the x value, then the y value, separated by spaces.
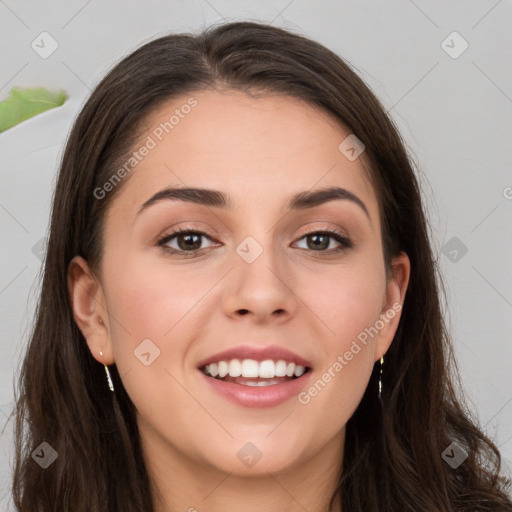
pixel 262 290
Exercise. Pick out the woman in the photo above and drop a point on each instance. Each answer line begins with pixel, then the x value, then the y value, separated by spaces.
pixel 240 306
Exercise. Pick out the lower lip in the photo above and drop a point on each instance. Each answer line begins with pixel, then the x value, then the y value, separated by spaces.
pixel 258 396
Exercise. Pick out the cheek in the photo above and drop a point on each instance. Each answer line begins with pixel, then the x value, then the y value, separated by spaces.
pixel 147 308
pixel 152 318
pixel 348 302
pixel 155 310
pixel 150 299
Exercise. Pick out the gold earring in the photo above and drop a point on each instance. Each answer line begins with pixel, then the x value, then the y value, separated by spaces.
pixel 110 385
pixel 380 377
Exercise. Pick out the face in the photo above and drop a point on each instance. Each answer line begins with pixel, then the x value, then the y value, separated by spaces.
pixel 309 279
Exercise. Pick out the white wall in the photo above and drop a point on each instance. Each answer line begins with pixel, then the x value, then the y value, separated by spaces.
pixel 455 114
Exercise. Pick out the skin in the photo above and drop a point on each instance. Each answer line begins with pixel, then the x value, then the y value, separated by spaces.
pixel 259 152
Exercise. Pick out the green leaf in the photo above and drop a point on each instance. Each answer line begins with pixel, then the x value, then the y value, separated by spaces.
pixel 23 104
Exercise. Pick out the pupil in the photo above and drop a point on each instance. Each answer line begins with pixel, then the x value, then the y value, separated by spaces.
pixel 324 245
pixel 188 238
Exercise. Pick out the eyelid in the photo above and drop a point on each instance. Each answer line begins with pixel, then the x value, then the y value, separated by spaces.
pixel 163 239
pixel 325 229
pixel 338 235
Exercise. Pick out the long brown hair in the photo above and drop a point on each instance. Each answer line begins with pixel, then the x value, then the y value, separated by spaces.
pixel 393 450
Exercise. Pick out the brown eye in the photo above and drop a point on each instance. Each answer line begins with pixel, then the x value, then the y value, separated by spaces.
pixel 320 241
pixel 188 241
pixel 185 241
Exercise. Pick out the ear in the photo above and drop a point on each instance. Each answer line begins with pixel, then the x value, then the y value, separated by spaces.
pixel 393 301
pixel 90 309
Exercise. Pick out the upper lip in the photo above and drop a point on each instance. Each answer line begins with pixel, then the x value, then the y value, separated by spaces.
pixel 241 352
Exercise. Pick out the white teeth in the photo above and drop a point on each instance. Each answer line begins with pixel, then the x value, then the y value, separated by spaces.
pixel 214 370
pixel 299 370
pixel 250 368
pixel 223 368
pixel 235 368
pixel 262 383
pixel 267 369
pixel 281 368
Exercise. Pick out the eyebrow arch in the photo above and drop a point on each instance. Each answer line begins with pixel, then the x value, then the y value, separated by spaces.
pixel 217 199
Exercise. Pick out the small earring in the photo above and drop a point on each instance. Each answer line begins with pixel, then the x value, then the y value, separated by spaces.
pixel 110 385
pixel 380 377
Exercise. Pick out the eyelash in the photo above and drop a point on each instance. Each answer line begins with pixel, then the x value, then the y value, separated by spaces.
pixel 339 237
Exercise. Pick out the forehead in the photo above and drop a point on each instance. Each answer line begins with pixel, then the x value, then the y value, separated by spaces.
pixel 259 151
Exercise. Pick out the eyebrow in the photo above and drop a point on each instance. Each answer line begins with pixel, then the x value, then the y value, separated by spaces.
pixel 217 199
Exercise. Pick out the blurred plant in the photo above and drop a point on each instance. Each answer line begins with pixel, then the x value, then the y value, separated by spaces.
pixel 22 104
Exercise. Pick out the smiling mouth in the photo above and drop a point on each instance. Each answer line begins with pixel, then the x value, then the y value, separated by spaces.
pixel 253 373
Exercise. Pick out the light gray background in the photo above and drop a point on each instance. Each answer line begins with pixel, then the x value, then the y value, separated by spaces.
pixel 454 113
